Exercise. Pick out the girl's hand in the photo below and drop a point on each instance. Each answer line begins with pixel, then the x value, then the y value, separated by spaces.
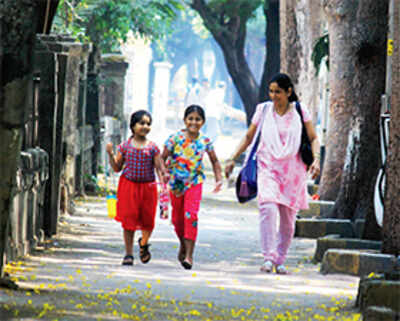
pixel 165 178
pixel 229 167
pixel 218 186
pixel 315 168
pixel 109 148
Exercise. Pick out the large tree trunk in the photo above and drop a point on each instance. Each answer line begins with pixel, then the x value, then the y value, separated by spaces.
pixel 17 29
pixel 231 38
pixel 391 219
pixel 309 16
pixel 290 44
pixel 272 62
pixel 357 41
pixel 341 16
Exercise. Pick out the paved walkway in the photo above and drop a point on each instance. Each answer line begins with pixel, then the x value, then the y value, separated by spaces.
pixel 78 275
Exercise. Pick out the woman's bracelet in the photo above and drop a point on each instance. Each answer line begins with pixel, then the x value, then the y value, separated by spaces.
pixel 230 160
pixel 317 156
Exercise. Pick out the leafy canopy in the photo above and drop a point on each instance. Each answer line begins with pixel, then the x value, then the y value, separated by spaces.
pixel 107 22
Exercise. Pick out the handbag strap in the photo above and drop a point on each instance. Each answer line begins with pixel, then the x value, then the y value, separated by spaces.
pixel 259 126
pixel 304 135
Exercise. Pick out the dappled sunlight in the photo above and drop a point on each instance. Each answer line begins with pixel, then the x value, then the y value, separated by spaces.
pixel 79 276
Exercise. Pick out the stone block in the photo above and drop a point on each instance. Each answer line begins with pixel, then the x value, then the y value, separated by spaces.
pixel 336 242
pixel 377 295
pixel 359 227
pixel 317 208
pixel 375 313
pixel 357 262
pixel 315 228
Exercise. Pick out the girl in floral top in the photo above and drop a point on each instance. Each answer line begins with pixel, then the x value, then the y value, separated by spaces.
pixel 184 153
pixel 138 158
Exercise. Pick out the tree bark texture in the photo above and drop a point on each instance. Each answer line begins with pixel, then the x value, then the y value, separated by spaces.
pixel 356 67
pixel 272 62
pixel 391 218
pixel 231 36
pixel 17 30
pixel 309 17
pixel 290 44
pixel 357 34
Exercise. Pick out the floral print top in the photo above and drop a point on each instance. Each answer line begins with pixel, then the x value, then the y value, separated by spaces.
pixel 185 161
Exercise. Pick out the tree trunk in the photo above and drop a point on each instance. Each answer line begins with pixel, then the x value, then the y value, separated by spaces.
pixel 309 16
pixel 18 25
pixel 272 60
pixel 231 38
pixel 341 15
pixel 357 40
pixel 391 218
pixel 290 45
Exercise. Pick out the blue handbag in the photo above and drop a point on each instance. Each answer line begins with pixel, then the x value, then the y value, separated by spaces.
pixel 246 182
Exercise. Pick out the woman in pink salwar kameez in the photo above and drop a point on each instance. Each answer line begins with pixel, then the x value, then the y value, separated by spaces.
pixel 281 173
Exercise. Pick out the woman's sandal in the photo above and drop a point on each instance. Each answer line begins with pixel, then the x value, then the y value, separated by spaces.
pixel 128 260
pixel 144 253
pixel 267 267
pixel 281 269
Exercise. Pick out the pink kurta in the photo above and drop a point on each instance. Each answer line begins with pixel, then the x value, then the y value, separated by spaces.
pixel 282 175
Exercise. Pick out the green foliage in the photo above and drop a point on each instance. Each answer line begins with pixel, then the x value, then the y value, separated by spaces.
pixel 108 22
pixel 320 51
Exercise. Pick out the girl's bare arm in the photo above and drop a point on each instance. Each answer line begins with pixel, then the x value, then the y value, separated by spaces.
pixel 160 169
pixel 216 169
pixel 116 161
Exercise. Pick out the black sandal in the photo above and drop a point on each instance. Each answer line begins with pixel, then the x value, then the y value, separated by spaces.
pixel 144 254
pixel 186 265
pixel 128 260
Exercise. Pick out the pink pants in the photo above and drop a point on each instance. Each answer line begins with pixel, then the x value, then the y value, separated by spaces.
pixel 275 244
pixel 184 212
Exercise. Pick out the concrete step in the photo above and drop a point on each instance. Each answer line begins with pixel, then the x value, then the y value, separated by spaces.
pixel 357 262
pixel 336 242
pixel 315 228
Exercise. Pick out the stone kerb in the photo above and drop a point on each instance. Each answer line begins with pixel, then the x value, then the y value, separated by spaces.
pixel 315 228
pixel 336 242
pixel 379 299
pixel 357 262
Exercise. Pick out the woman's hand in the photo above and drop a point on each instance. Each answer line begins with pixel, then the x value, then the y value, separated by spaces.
pixel 109 149
pixel 315 168
pixel 229 167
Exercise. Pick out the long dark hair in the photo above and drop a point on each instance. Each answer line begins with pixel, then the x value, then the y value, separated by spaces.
pixel 285 83
pixel 137 117
pixel 195 108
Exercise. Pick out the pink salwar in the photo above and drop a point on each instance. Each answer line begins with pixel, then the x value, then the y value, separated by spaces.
pixel 281 177
pixel 274 244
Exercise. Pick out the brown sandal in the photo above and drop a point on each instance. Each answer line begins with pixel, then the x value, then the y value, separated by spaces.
pixel 144 253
